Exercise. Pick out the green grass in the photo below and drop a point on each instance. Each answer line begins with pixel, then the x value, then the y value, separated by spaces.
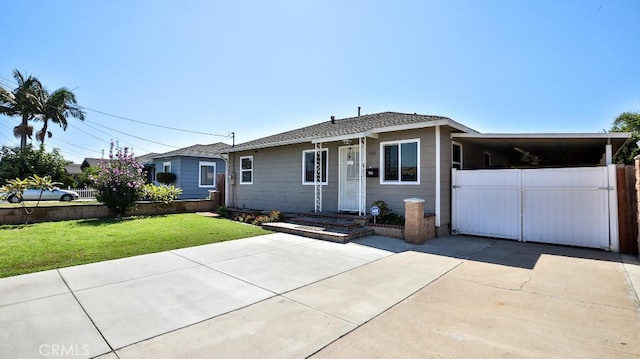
pixel 43 246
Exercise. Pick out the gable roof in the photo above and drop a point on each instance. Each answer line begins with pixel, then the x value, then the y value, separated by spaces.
pixel 73 169
pixel 211 150
pixel 90 162
pixel 360 126
pixel 145 159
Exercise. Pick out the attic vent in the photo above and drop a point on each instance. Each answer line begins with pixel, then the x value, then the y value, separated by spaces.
pixel 333 119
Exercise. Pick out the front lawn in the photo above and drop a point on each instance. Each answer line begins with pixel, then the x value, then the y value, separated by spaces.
pixel 43 246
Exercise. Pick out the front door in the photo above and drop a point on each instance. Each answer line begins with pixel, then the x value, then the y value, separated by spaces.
pixel 348 178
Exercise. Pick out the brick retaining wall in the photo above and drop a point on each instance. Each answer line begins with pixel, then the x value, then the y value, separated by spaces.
pixel 44 213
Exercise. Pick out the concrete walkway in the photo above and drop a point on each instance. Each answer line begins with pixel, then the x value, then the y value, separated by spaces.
pixel 283 296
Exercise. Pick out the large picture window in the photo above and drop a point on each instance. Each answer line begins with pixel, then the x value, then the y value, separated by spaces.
pixel 309 165
pixel 246 170
pixel 400 162
pixel 207 174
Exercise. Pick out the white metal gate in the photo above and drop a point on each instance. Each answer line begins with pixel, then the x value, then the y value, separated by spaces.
pixel 571 206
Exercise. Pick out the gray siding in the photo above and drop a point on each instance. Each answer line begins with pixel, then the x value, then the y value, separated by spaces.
pixel 395 194
pixel 277 180
pixel 277 177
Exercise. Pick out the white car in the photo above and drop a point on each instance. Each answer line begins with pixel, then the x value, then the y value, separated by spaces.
pixel 55 194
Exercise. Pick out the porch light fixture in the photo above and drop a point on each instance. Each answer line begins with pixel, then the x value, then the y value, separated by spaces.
pixel 347 142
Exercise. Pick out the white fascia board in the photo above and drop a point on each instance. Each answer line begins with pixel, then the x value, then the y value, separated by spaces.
pixel 373 133
pixel 413 126
pixel 622 135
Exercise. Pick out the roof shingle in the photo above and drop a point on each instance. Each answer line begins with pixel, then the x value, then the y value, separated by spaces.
pixel 341 127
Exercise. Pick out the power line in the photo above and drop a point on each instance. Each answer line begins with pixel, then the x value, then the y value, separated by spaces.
pixel 128 134
pixel 138 121
pixel 71 144
pixel 117 139
pixel 153 124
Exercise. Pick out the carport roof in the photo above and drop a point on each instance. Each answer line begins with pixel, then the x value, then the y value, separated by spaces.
pixel 558 148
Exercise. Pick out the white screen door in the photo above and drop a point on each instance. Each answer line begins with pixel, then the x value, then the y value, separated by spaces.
pixel 349 180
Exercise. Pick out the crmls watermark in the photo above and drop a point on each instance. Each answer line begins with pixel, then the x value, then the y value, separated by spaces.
pixel 64 350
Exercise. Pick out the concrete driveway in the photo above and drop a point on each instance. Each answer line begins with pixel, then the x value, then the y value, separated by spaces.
pixel 283 296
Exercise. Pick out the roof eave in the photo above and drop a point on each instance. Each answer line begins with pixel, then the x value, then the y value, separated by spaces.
pixel 410 126
pixel 603 135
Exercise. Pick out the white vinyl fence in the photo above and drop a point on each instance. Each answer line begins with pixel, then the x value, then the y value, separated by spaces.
pixel 85 193
pixel 571 206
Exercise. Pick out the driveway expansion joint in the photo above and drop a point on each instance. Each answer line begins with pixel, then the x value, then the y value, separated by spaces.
pixel 84 310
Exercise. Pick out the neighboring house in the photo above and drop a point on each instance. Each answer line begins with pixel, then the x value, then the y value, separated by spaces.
pixel 149 169
pixel 198 168
pixel 90 162
pixel 344 165
pixel 73 170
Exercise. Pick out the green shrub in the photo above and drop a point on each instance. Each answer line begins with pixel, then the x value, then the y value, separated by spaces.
pixel 165 177
pixel 160 196
pixel 224 212
pixel 386 214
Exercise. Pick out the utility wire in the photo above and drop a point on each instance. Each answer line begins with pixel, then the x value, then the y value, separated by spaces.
pixel 153 124
pixel 117 139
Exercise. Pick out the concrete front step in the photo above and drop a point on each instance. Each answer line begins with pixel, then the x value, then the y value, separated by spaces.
pixel 317 232
pixel 327 222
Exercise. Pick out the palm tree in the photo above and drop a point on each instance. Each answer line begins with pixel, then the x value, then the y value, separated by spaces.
pixel 32 101
pixel 56 107
pixel 21 102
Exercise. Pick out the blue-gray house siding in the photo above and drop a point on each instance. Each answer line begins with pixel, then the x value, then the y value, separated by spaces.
pixel 188 171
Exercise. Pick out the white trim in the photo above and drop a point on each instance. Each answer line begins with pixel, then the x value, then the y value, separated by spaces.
pixel 326 169
pixel 606 135
pixel 409 126
pixel 438 210
pixel 165 165
pixel 246 170
pixel 454 143
pixel 399 181
pixel 206 164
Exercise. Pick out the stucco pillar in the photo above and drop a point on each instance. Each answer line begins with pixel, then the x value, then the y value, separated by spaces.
pixel 415 230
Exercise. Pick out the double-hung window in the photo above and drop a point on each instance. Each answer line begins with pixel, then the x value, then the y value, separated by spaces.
pixel 309 166
pixel 166 167
pixel 246 170
pixel 207 174
pixel 400 161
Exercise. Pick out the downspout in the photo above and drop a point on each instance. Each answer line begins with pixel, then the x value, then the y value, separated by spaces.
pixel 438 178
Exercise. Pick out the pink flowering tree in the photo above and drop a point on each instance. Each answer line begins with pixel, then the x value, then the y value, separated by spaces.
pixel 119 180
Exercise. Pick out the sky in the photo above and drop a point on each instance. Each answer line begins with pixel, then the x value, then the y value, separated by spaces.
pixel 159 75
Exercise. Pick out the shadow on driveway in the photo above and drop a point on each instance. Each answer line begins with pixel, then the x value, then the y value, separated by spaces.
pixel 488 250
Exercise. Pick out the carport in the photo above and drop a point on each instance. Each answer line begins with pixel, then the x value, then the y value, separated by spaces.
pixel 549 188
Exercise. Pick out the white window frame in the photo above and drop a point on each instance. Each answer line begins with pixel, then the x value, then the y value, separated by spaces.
pixel 165 166
pixel 399 181
pixel 453 163
pixel 206 164
pixel 246 170
pixel 326 167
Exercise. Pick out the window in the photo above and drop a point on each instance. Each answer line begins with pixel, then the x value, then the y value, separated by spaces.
pixel 246 170
pixel 166 167
pixel 456 155
pixel 207 174
pixel 487 159
pixel 309 165
pixel 399 162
